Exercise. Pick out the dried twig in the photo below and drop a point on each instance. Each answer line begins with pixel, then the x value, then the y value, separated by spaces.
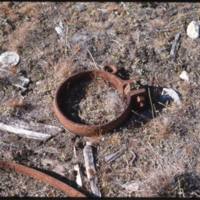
pixel 95 64
pixel 140 115
pixel 111 157
pixel 152 110
pixel 175 45
pixel 90 169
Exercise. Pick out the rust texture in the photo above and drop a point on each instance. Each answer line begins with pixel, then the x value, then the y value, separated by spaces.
pixel 67 189
pixel 134 98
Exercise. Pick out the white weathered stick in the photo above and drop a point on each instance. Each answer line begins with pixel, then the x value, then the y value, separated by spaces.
pixel 90 169
pixel 94 186
pixel 175 45
pixel 77 169
pixel 32 130
pixel 78 176
pixel 23 132
pixel 20 82
pixel 111 157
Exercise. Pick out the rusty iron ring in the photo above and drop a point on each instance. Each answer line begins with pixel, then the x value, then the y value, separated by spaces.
pixel 67 189
pixel 122 86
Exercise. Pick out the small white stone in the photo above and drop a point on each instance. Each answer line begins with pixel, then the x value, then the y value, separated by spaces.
pixel 38 82
pixel 193 30
pixel 60 29
pixel 9 59
pixel 184 76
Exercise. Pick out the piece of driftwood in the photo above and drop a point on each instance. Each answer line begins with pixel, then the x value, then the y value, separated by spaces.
pixel 90 169
pixel 37 131
pixel 78 170
pixel 175 45
pixel 20 82
pixel 111 157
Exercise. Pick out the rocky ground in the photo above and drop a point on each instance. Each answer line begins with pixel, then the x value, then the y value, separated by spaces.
pixel 161 154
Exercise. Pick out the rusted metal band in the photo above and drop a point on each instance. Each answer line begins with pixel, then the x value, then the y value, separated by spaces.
pixel 110 68
pixel 124 87
pixel 67 189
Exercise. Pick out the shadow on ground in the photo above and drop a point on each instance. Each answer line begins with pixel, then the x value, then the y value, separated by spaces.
pixel 184 185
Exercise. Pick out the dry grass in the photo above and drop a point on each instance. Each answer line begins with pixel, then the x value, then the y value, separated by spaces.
pixel 30 9
pixel 17 38
pixel 15 102
pixel 101 104
pixel 63 69
pixel 6 10
pixel 158 128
